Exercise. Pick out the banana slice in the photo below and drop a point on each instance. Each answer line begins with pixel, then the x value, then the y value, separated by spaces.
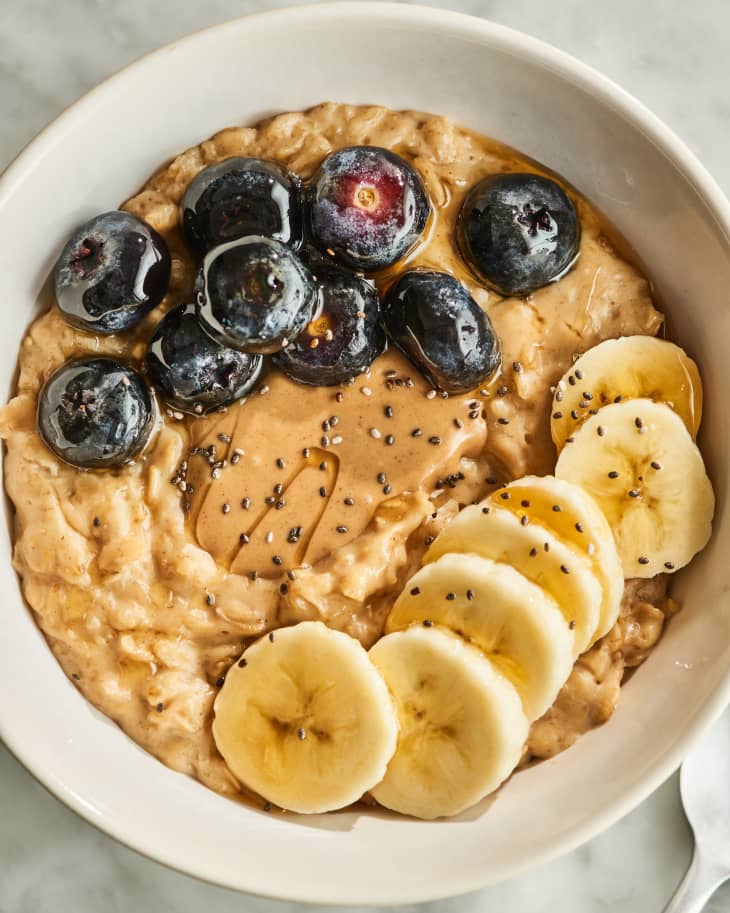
pixel 305 720
pixel 461 723
pixel 513 621
pixel 571 513
pixel 638 461
pixel 633 367
pixel 492 532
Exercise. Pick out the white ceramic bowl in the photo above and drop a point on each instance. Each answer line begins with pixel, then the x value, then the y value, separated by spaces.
pixel 547 105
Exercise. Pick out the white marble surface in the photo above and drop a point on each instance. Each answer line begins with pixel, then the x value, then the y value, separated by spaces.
pixel 673 56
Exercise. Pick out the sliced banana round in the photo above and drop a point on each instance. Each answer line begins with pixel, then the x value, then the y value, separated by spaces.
pixel 567 510
pixel 494 532
pixel 632 367
pixel 513 621
pixel 639 463
pixel 305 720
pixel 462 727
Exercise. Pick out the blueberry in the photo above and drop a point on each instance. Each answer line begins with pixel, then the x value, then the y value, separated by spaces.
pixel 95 413
pixel 367 206
pixel 434 320
pixel 344 338
pixel 519 232
pixel 193 372
pixel 111 272
pixel 240 197
pixel 255 295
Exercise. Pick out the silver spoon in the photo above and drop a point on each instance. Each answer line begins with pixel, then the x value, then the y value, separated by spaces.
pixel 705 789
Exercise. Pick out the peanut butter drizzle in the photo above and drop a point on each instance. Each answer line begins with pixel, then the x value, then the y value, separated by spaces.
pixel 333 460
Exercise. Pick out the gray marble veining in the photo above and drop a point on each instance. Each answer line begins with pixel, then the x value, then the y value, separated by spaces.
pixel 674 57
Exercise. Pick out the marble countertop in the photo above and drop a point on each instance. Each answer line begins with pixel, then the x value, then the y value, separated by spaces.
pixel 672 56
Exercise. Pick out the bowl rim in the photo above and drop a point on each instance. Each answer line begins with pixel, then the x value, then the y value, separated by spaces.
pixel 607 93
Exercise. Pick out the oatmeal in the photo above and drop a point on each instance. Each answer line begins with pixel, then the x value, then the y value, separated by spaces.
pixel 302 502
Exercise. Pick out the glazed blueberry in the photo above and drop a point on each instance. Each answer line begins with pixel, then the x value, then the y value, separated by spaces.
pixel 111 272
pixel 434 320
pixel 240 197
pixel 344 338
pixel 367 206
pixel 95 413
pixel 191 371
pixel 519 232
pixel 255 295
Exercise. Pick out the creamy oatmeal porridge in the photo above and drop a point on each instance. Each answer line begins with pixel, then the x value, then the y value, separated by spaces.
pixel 303 502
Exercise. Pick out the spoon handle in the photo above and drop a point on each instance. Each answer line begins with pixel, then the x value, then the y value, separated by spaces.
pixel 697 886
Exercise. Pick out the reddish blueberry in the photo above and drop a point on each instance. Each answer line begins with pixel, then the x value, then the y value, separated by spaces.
pixel 367 206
